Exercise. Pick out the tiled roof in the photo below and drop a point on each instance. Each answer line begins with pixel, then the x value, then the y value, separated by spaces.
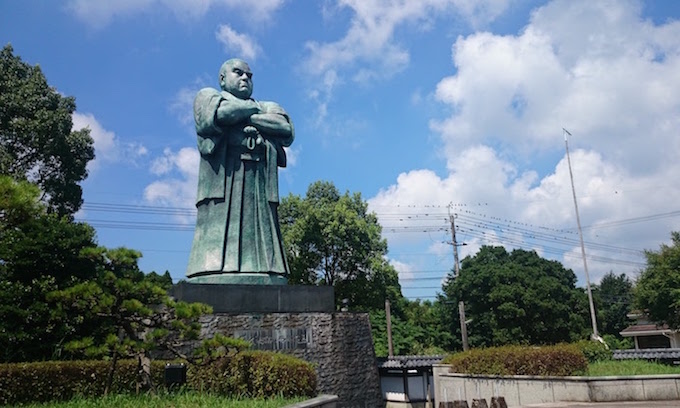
pixel 647 354
pixel 408 361
pixel 644 328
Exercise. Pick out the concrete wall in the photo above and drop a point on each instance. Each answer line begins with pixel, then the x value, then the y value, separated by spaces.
pixel 322 401
pixel 522 390
pixel 339 344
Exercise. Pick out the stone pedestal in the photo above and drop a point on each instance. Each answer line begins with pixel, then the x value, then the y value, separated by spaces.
pixel 258 298
pixel 298 320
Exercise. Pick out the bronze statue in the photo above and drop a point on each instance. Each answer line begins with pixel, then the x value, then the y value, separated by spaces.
pixel 238 238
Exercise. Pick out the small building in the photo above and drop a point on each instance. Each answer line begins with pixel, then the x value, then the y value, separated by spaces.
pixel 649 335
pixel 407 381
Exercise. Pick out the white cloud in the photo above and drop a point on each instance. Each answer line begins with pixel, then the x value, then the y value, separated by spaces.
pixel 100 13
pixel 404 270
pixel 596 68
pixel 292 156
pixel 177 187
pixel 239 45
pixel 108 148
pixel 182 104
pixel 369 50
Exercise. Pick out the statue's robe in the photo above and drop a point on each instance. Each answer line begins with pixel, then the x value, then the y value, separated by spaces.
pixel 237 227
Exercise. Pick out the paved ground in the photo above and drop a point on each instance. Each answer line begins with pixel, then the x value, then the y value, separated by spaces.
pixel 632 404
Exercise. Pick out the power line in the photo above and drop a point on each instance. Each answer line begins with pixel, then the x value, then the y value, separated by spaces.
pixel 470 223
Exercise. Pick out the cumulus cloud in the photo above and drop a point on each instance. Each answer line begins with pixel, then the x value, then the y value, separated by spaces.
pixel 238 44
pixel 182 104
pixel 370 37
pixel 597 68
pixel 369 49
pixel 108 148
pixel 404 270
pixel 495 204
pixel 178 177
pixel 101 13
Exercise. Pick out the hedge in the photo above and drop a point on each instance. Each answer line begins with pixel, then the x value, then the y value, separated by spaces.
pixel 560 360
pixel 62 380
pixel 258 374
pixel 595 351
pixel 246 374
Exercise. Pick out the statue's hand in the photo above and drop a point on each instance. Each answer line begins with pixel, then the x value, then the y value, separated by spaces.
pixel 250 130
pixel 253 137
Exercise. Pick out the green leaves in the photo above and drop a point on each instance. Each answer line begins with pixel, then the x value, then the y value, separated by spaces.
pixel 517 297
pixel 332 239
pixel 657 292
pixel 613 300
pixel 36 141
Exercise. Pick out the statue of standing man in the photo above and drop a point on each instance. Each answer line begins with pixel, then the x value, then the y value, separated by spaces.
pixel 237 238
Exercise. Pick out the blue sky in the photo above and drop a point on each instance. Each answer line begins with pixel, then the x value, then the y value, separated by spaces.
pixel 425 107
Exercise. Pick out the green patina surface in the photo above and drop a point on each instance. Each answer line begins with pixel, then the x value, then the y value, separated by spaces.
pixel 237 238
pixel 242 278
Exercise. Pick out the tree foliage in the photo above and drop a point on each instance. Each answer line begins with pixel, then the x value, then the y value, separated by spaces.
pixel 39 252
pixel 63 296
pixel 613 300
pixel 332 239
pixel 416 330
pixel 517 298
pixel 36 138
pixel 657 291
pixel 127 313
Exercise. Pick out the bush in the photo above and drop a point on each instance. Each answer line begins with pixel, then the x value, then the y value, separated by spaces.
pixel 560 360
pixel 618 343
pixel 61 380
pixel 594 351
pixel 257 374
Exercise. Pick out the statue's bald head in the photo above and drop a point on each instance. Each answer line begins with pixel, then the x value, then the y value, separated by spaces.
pixel 236 78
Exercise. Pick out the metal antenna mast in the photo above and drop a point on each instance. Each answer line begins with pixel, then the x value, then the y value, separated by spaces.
pixel 595 335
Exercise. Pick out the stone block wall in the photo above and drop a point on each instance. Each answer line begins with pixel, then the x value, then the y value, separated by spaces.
pixel 339 344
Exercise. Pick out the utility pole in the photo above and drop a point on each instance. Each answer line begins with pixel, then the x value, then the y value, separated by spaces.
pixel 456 269
pixel 456 266
pixel 463 325
pixel 388 316
pixel 595 335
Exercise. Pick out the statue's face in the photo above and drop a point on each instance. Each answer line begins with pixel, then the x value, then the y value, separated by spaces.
pixel 237 79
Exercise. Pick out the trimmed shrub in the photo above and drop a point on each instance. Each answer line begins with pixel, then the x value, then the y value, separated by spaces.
pixel 62 380
pixel 595 351
pixel 248 374
pixel 257 374
pixel 560 360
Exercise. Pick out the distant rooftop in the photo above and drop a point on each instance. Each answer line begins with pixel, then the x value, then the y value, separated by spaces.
pixel 406 362
pixel 647 354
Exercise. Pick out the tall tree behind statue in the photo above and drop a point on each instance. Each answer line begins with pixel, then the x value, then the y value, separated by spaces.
pixel 332 239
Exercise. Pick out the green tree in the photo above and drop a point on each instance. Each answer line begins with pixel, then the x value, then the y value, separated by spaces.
pixel 125 313
pixel 332 239
pixel 613 301
pixel 39 252
pixel 517 298
pixel 36 138
pixel 657 291
pixel 416 329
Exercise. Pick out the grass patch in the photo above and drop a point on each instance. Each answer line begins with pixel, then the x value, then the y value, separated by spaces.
pixel 629 367
pixel 165 400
